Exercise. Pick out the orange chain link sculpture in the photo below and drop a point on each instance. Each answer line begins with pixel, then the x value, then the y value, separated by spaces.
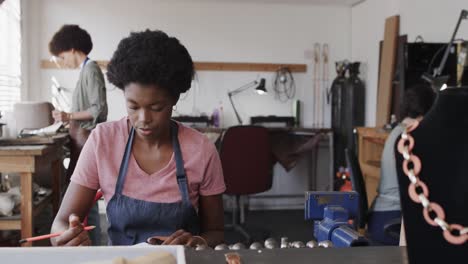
pixel 405 147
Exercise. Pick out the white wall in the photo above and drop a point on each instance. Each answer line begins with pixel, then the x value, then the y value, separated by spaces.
pixel 212 31
pixel 228 31
pixel 434 20
pixel 367 29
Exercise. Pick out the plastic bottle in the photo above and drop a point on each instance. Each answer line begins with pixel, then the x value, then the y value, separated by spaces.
pixel 215 117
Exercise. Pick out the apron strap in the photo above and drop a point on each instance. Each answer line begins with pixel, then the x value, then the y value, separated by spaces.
pixel 180 171
pixel 124 163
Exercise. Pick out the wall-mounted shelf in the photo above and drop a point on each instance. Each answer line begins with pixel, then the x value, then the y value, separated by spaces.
pixel 213 66
pixel 240 66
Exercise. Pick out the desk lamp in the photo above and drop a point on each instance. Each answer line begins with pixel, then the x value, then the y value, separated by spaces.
pixel 259 88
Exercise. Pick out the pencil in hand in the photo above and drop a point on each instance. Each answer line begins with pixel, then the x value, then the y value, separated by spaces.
pixel 31 239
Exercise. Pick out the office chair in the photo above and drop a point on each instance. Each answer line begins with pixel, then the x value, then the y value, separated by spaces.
pixel 359 186
pixel 391 227
pixel 247 162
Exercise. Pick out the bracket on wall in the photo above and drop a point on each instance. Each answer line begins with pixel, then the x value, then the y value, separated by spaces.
pixel 212 66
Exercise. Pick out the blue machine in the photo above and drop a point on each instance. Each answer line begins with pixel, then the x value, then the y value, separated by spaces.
pixel 331 212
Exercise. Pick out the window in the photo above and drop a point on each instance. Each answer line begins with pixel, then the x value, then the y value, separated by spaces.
pixel 10 54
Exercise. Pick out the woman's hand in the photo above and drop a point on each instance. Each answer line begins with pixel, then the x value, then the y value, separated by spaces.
pixel 180 237
pixel 60 116
pixel 75 235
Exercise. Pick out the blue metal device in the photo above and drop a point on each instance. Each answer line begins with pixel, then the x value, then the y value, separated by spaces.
pixel 331 212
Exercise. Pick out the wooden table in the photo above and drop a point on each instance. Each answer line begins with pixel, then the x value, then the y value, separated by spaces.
pixel 371 141
pixel 25 160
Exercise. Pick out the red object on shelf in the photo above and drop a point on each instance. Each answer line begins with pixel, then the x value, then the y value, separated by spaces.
pixel 344 175
pixel 346 187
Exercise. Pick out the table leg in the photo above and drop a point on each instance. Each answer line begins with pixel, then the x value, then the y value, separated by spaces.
pixel 27 223
pixel 56 186
pixel 313 169
pixel 332 172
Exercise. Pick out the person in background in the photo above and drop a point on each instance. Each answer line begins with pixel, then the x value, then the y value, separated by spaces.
pixel 71 46
pixel 417 101
pixel 162 181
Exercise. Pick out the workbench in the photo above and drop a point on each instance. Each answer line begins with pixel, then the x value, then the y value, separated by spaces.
pixel 25 157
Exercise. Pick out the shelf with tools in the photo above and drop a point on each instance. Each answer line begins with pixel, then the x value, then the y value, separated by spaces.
pixel 210 66
pixel 14 222
pixel 25 160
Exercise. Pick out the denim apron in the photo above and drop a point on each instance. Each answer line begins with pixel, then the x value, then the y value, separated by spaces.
pixel 133 221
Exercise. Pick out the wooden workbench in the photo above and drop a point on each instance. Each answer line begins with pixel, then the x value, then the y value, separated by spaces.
pixel 25 160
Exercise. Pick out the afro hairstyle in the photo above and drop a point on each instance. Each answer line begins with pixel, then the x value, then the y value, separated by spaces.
pixel 70 37
pixel 152 58
pixel 417 101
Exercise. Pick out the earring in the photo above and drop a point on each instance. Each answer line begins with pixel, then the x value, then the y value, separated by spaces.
pixel 174 108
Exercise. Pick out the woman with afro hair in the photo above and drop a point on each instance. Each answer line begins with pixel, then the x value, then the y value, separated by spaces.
pixel 162 181
pixel 72 44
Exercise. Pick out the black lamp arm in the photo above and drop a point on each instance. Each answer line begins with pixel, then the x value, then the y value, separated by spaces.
pixel 237 91
pixel 438 70
pixel 243 88
pixel 235 110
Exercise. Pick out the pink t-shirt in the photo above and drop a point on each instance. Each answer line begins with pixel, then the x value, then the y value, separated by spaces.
pixel 99 163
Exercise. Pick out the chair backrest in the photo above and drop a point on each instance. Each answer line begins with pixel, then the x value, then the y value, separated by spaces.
pixel 247 160
pixel 358 185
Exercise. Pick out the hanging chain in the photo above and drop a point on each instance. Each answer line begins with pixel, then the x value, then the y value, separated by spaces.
pixel 411 167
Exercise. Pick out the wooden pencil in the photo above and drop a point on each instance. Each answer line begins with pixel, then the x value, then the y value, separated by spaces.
pixel 36 238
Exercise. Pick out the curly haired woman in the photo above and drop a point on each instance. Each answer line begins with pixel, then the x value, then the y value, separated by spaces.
pixel 159 178
pixel 71 45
